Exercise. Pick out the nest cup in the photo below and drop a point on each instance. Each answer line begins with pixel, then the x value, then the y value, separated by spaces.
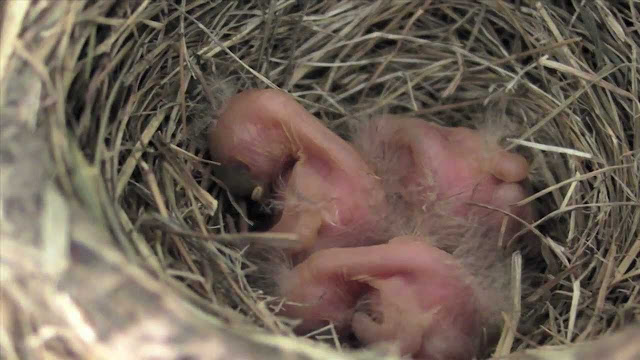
pixel 118 241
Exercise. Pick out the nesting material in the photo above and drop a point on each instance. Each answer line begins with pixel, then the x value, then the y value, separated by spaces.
pixel 133 246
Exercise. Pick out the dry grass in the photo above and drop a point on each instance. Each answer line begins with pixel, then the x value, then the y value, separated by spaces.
pixel 126 91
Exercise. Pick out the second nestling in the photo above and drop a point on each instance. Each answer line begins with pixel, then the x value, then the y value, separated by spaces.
pixel 391 249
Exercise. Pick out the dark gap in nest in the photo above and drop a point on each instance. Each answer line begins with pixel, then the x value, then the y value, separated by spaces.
pixel 77 100
pixel 463 34
pixel 626 21
pixel 262 214
pixel 266 213
pixel 263 218
pixel 566 5
pixel 513 42
pixel 440 16
pixel 173 26
pixel 385 46
pixel 316 74
pixel 381 25
pixel 590 57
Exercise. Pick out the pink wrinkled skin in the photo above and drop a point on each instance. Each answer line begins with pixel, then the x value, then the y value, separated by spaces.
pixel 415 295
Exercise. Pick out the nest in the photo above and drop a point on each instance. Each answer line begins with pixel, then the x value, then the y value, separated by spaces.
pixel 119 242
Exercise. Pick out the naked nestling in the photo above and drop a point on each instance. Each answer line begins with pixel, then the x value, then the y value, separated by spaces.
pixel 391 249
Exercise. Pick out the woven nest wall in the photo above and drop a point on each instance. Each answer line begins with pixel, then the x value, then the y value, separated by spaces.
pixel 119 241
